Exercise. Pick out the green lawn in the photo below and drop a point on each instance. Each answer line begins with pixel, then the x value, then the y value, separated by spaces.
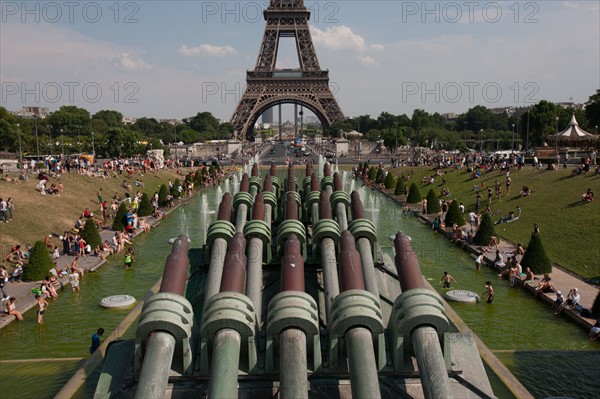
pixel 570 229
pixel 36 215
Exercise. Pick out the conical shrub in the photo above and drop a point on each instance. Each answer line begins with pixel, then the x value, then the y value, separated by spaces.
pixel 454 215
pixel 145 208
pixel 433 203
pixel 90 233
pixel 162 195
pixel 399 186
pixel 372 173
pixel 414 195
pixel 485 230
pixel 380 176
pixel 390 181
pixel 535 256
pixel 596 307
pixel 39 263
pixel 120 218
pixel 175 190
pixel 198 179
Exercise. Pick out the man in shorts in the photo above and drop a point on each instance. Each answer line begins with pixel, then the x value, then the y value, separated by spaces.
pixel 446 278
pixel 74 280
pixel 489 291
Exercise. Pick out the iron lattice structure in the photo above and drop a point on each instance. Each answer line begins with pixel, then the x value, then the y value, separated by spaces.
pixel 267 86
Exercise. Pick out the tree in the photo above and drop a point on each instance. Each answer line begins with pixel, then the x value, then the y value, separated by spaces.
pixel 433 203
pixel 39 263
pixel 372 173
pixel 198 178
pixel 596 307
pixel 145 208
pixel 535 256
pixel 90 234
pixel 110 118
pixel 380 176
pixel 120 218
pixel 542 122
pixel 414 195
pixel 454 215
pixel 485 230
pixel 393 138
pixel 175 190
pixel 204 122
pixel 390 181
pixel 420 120
pixel 71 119
pixel 162 195
pixel 399 186
pixel 592 110
pixel 122 143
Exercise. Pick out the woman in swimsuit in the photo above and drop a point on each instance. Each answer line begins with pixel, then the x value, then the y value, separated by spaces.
pixel 41 302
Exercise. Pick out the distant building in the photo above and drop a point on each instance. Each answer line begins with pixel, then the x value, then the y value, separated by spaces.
pixel 129 120
pixel 33 112
pixel 504 110
pixel 450 116
pixel 572 105
pixel 173 122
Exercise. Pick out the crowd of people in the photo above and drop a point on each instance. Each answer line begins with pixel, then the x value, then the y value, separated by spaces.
pixel 510 268
pixel 71 243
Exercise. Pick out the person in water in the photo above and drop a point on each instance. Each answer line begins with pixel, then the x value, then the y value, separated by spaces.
pixel 446 278
pixel 489 290
pixel 129 258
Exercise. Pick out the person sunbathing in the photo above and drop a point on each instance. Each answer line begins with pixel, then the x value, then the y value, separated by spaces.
pixel 545 285
pixel 587 196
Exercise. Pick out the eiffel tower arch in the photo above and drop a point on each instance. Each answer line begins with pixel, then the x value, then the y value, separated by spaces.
pixel 267 86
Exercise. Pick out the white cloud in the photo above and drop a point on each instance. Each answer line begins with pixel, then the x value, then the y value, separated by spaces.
pixel 338 38
pixel 368 61
pixel 207 50
pixel 377 47
pixel 127 62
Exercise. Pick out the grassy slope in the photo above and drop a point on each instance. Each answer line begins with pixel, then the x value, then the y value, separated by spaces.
pixel 37 215
pixel 570 230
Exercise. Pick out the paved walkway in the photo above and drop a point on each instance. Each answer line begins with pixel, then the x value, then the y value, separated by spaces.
pixel 563 280
pixel 25 299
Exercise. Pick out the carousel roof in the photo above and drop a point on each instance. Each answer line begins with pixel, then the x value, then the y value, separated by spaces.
pixel 574 132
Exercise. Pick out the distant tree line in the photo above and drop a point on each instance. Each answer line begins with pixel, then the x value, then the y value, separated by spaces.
pixel 71 129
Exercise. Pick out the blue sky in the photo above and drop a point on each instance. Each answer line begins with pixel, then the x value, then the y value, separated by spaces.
pixel 172 59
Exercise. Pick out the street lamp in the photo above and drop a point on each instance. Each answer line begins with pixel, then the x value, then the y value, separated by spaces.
pixel 93 147
pixel 527 141
pixel 62 143
pixel 512 145
pixel 465 131
pixel 556 138
pixel 20 151
pixel 37 139
pixel 480 140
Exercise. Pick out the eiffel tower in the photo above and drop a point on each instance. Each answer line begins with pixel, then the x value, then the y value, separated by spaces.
pixel 266 86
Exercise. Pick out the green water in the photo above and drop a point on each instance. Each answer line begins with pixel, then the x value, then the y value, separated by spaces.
pixel 546 344
pixel 554 356
pixel 71 319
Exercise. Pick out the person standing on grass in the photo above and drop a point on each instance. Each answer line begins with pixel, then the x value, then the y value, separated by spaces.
pixel 3 210
pixel 3 280
pixel 9 208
